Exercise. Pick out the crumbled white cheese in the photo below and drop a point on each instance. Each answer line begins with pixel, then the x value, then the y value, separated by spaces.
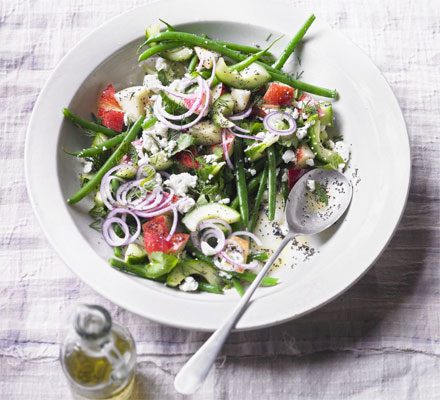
pixel 150 144
pixel 289 156
pixel 302 132
pixel 162 64
pixel 210 176
pixel 180 183
pixel 170 146
pixel 88 165
pixel 189 285
pixel 330 144
pixel 152 82
pixel 311 185
pixel 343 150
pixel 224 201
pixel 299 104
pixel 185 204
pixel 158 129
pixel 252 171
pixel 284 177
pixel 310 162
pixel 304 116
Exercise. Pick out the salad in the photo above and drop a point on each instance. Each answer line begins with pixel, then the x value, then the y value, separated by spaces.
pixel 182 166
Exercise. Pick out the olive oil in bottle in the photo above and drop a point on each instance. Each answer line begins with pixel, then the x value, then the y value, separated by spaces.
pixel 98 357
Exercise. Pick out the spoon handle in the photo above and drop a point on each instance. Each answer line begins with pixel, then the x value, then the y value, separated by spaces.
pixel 194 372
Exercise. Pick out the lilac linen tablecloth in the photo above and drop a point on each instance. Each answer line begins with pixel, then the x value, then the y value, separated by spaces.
pixel 380 340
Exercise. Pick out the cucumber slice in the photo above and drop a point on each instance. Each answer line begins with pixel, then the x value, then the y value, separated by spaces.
pixel 250 78
pixel 179 54
pixel 206 133
pixel 133 101
pixel 221 108
pixel 329 157
pixel 160 161
pixel 135 254
pixel 207 211
pixel 127 172
pixel 327 109
pixel 189 267
pixel 241 98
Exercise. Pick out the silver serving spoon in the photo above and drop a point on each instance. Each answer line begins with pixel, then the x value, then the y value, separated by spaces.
pixel 305 215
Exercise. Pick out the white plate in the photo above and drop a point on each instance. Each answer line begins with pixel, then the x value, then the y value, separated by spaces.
pixel 367 114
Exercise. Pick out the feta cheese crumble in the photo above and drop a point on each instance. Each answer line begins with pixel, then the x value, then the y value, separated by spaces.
pixel 224 201
pixel 189 285
pixel 289 156
pixel 180 183
pixel 252 172
pixel 185 204
pixel 311 185
pixel 310 162
pixel 88 165
pixel 302 132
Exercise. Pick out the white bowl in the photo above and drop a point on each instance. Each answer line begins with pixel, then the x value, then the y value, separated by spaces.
pixel 367 114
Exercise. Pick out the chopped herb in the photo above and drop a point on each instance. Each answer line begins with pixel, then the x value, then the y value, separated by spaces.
pixel 96 225
pixel 321 193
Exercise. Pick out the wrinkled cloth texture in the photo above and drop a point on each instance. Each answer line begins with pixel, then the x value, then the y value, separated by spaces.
pixel 379 340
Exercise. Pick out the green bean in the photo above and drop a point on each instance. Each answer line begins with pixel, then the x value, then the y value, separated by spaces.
pixel 191 39
pixel 100 148
pixel 293 43
pixel 117 251
pixel 240 178
pixel 303 86
pixel 87 125
pixel 250 277
pixel 207 287
pixel 158 48
pixel 258 200
pixel 252 187
pixel 237 285
pixel 253 58
pixel 110 163
pixel 108 144
pixel 134 269
pixel 193 63
pixel 271 182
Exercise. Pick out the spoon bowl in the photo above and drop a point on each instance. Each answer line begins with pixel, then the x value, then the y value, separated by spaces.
pixel 305 213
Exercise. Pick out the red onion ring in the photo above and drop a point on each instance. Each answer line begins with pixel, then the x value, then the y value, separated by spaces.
pixel 210 223
pixel 104 189
pixel 256 239
pixel 241 129
pixel 225 150
pixel 174 225
pixel 109 234
pixel 161 118
pixel 246 136
pixel 191 111
pixel 242 115
pixel 217 234
pixel 268 123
